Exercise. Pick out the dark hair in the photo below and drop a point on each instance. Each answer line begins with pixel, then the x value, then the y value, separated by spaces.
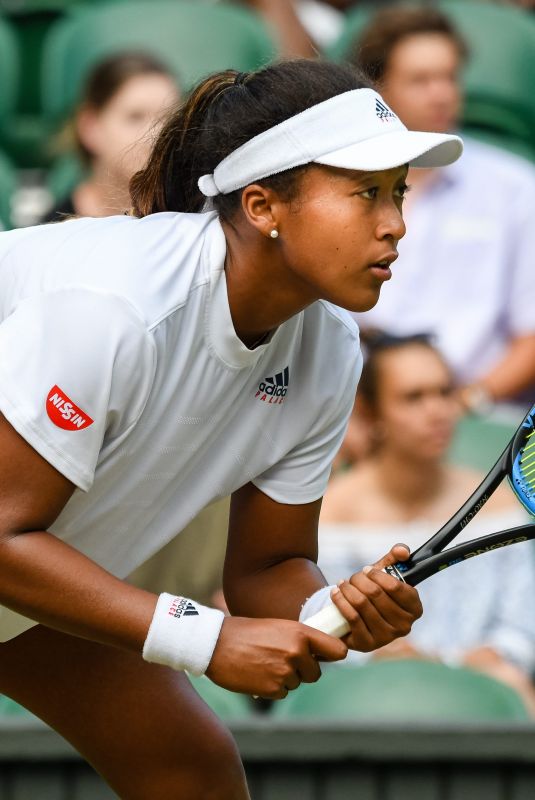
pixel 109 75
pixel 375 344
pixel 391 25
pixel 223 112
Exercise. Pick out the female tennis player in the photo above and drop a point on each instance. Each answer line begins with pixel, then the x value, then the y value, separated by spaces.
pixel 153 362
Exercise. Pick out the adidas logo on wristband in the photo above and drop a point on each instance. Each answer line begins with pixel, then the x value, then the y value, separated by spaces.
pixel 182 607
pixel 186 644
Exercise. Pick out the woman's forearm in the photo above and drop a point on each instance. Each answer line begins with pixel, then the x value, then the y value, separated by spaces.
pixel 47 580
pixel 276 591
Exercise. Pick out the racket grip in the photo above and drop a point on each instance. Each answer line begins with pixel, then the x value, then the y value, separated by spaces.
pixel 395 572
pixel 329 620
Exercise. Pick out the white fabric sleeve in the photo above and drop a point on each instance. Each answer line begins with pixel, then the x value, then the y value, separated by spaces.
pixel 519 280
pixel 302 475
pixel 76 367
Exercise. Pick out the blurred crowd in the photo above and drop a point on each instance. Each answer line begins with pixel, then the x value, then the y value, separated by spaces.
pixel 450 347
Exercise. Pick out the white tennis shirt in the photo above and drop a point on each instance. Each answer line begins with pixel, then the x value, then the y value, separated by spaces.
pixel 120 365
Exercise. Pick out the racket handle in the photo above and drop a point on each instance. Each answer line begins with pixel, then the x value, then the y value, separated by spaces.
pixel 329 620
pixel 395 572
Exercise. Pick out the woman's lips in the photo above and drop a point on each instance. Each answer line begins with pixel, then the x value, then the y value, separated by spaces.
pixel 384 273
pixel 381 267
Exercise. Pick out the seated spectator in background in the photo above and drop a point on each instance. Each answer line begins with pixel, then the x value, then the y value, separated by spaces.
pixel 465 269
pixel 480 613
pixel 302 27
pixel 123 103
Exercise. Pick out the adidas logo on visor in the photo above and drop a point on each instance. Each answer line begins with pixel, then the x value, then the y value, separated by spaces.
pixel 383 112
pixel 273 390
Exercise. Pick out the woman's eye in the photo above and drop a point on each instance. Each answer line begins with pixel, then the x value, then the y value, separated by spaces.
pixel 370 194
pixel 402 190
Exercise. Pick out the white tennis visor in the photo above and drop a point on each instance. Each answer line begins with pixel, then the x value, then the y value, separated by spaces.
pixel 354 130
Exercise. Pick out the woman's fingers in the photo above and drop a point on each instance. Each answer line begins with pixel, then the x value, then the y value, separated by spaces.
pixel 401 594
pixel 270 657
pixel 399 552
pixel 360 638
pixel 378 607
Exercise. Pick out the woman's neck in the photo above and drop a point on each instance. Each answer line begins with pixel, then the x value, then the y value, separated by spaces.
pixel 411 485
pixel 261 294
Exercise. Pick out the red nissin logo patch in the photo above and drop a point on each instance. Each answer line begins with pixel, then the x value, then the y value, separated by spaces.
pixel 64 413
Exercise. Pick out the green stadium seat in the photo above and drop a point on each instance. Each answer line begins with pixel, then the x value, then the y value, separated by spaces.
pixel 9 70
pixel 498 82
pixel 8 184
pixel 64 175
pixel 227 705
pixel 500 77
pixel 402 690
pixel 479 440
pixel 26 137
pixel 355 21
pixel 194 39
pixel 8 708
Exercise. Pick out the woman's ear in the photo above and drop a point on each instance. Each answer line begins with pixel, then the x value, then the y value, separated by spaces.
pixel 88 129
pixel 262 209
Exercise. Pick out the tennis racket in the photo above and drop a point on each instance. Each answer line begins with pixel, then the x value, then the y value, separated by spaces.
pixel 517 463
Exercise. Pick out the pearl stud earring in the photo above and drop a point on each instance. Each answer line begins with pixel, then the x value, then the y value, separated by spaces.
pixel 274 234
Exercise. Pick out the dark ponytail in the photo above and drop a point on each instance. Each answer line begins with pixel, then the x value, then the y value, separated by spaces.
pixel 223 112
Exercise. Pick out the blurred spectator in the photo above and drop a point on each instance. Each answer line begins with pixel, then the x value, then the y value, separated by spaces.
pixel 464 271
pixel 479 613
pixel 124 100
pixel 281 17
pixel 303 27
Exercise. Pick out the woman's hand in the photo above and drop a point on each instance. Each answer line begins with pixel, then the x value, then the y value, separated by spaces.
pixel 269 657
pixel 378 607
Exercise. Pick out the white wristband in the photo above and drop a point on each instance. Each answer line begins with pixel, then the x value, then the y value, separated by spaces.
pixel 316 602
pixel 183 634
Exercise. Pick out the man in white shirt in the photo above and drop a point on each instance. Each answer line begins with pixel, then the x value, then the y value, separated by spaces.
pixel 465 270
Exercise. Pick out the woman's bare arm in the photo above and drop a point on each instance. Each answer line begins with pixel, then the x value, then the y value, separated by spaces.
pixel 270 570
pixel 54 584
pixel 46 579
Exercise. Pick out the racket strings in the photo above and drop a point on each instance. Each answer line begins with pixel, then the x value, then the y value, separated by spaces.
pixel 527 457
pixel 523 475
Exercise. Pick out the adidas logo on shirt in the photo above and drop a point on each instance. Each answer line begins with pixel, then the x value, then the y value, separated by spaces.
pixel 383 112
pixel 182 607
pixel 273 390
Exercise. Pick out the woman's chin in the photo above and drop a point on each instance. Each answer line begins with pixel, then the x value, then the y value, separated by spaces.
pixel 362 303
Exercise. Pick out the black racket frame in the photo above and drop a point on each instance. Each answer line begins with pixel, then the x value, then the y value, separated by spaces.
pixel 431 557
